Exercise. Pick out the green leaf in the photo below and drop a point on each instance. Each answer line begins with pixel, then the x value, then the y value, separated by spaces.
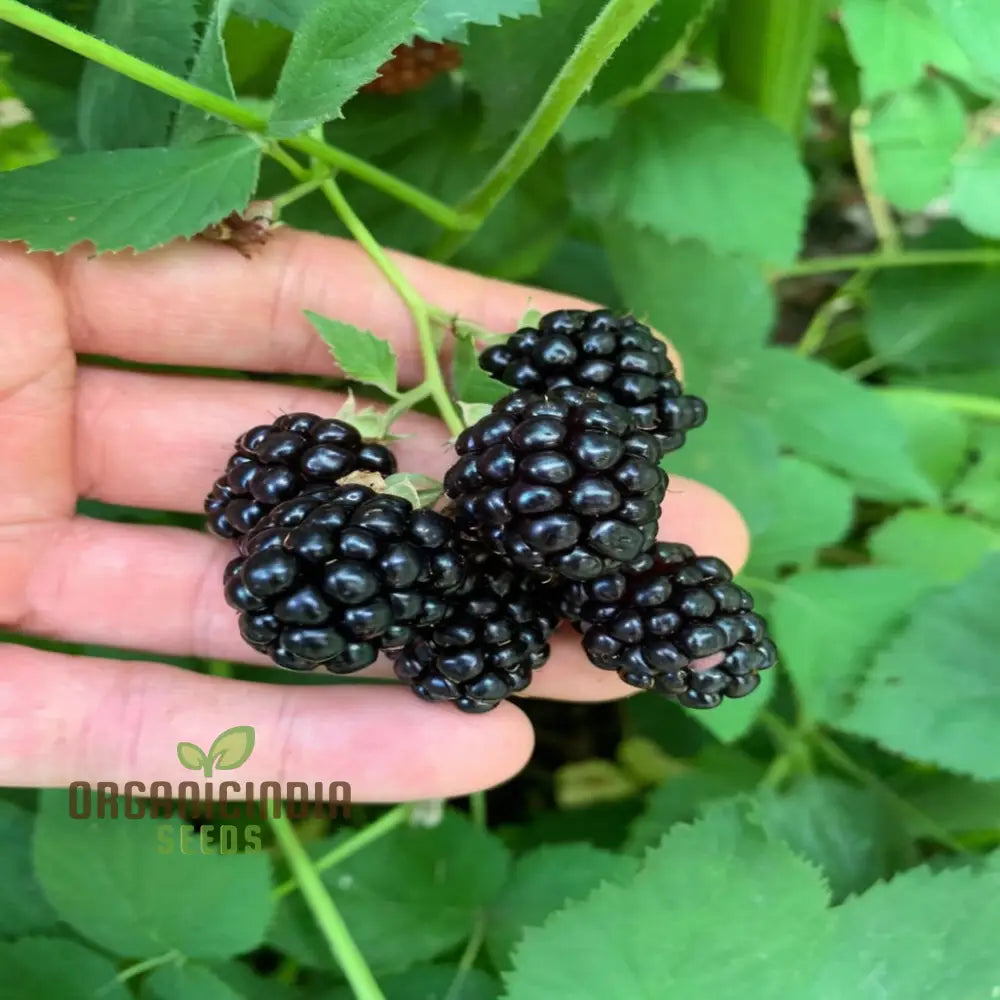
pixel 697 166
pixel 248 984
pixel 39 968
pixel 959 805
pixel 828 625
pixel 468 381
pixel 850 833
pixel 437 20
pixel 814 509
pixel 23 908
pixel 232 747
pixel 942 317
pixel 337 48
pixel 978 490
pixel 937 437
pixel 191 756
pixel 137 901
pixel 933 693
pixel 116 112
pixel 920 935
pixel 210 71
pixel 895 41
pixel 420 490
pixel 621 941
pixel 976 28
pixel 976 198
pixel 138 198
pixel 286 14
pixel 512 68
pixel 542 882
pixel 943 547
pixel 914 135
pixel 362 356
pixel 181 982
pixel 429 982
pixel 406 898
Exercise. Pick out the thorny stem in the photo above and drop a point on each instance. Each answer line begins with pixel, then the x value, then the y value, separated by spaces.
pixel 365 836
pixel 328 919
pixel 65 35
pixel 599 42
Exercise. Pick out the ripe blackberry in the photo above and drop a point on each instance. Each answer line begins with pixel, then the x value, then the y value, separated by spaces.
pixel 413 66
pixel 331 578
pixel 298 453
pixel 494 633
pixel 561 485
pixel 615 356
pixel 650 621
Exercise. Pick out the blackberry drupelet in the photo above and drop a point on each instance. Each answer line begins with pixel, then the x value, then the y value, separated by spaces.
pixel 331 578
pixel 615 356
pixel 671 607
pixel 298 453
pixel 493 635
pixel 561 485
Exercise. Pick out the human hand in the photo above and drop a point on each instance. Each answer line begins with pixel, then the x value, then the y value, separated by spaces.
pixel 70 428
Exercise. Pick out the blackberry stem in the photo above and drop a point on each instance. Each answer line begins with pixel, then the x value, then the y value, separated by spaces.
pixel 325 912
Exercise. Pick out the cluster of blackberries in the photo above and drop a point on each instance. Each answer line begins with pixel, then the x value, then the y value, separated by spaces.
pixel 554 504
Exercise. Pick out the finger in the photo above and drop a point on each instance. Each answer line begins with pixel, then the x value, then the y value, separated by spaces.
pixel 160 589
pixel 203 305
pixel 66 718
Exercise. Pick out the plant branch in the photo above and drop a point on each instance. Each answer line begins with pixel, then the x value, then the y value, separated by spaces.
pixel 365 836
pixel 600 40
pixel 68 37
pixel 864 165
pixel 984 407
pixel 877 261
pixel 325 912
pixel 469 956
pixel 138 968
pixel 819 325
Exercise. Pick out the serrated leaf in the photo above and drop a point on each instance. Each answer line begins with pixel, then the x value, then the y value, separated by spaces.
pixel 438 20
pixel 543 881
pixel 191 756
pixel 471 412
pixel 211 72
pixel 829 624
pixel 950 802
pixel 140 198
pixel 697 166
pixel 40 968
pixel 914 135
pixel 814 509
pixel 944 547
pixel 23 908
pixel 135 899
pixel 362 356
pixel 933 693
pixel 615 943
pixel 232 747
pixel 938 437
pixel 116 112
pixel 468 381
pixel 337 48
pixel 429 982
pixel 976 196
pixel 421 491
pixel 286 14
pixel 408 897
pixel 895 41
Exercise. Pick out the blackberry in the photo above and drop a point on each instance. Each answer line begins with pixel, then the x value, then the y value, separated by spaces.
pixel 616 357
pixel 331 578
pixel 298 453
pixel 561 485
pixel 650 621
pixel 493 635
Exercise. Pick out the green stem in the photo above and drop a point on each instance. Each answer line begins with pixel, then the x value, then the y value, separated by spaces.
pixel 367 835
pixel 469 956
pixel 819 325
pixel 985 407
pixel 767 53
pixel 433 379
pixel 864 165
pixel 296 193
pixel 878 261
pixel 146 964
pixel 68 37
pixel 477 809
pixel 599 42
pixel 325 913
pixel 405 402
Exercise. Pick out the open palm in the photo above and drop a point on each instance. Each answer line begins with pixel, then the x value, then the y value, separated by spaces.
pixel 70 428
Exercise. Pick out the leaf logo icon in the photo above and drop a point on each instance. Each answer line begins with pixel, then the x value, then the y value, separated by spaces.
pixel 229 750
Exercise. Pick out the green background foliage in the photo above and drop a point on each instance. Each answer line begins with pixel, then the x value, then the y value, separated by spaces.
pixel 830 276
